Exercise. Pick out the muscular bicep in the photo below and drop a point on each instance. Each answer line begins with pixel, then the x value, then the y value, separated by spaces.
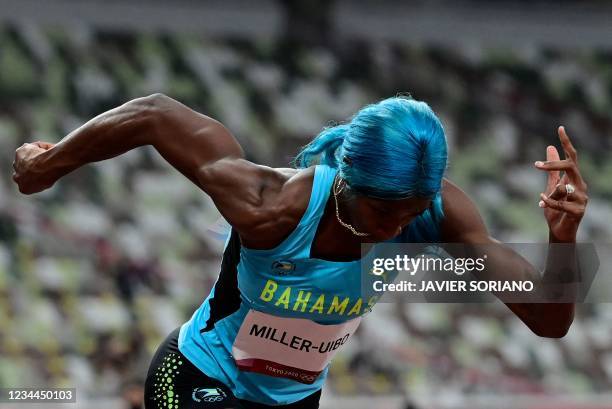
pixel 189 140
pixel 251 197
pixel 205 151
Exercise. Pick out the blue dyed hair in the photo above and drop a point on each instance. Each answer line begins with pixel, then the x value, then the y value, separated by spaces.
pixel 393 149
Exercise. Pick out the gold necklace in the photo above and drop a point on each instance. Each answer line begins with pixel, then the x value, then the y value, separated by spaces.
pixel 348 226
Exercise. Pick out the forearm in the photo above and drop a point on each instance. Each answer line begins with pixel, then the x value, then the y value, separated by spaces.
pixel 544 314
pixel 560 282
pixel 191 141
pixel 188 140
pixel 105 136
pixel 561 269
pixel 553 312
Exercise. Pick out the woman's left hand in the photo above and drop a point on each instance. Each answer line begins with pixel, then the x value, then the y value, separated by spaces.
pixel 565 199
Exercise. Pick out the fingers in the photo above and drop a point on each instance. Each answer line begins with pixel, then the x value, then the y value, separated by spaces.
pixel 574 208
pixel 567 165
pixel 560 192
pixel 552 153
pixel 44 145
pixel 556 197
pixel 553 176
pixel 36 145
pixel 569 149
pixel 29 150
pixel 556 165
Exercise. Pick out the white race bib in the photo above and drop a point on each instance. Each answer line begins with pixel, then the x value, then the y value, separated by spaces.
pixel 293 348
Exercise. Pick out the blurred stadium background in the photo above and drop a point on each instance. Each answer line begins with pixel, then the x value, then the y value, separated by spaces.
pixel 96 271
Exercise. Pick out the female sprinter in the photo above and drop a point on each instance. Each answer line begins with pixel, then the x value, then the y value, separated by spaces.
pixel 287 295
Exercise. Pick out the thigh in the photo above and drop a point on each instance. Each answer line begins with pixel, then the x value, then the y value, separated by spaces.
pixel 175 383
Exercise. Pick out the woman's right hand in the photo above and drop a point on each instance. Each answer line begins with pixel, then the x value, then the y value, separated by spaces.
pixel 28 173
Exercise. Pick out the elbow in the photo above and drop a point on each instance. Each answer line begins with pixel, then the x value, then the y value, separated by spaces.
pixel 150 104
pixel 552 329
pixel 547 320
pixel 154 107
pixel 557 332
pixel 156 100
pixel 148 112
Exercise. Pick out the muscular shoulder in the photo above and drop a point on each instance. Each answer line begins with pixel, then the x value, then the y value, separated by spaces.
pixel 284 202
pixel 462 221
pixel 264 204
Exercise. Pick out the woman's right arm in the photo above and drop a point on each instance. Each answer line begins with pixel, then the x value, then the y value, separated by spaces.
pixel 198 146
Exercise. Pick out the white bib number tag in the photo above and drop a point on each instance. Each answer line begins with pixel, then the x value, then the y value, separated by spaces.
pixel 293 348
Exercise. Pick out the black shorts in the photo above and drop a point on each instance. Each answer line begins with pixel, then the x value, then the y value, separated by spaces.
pixel 175 383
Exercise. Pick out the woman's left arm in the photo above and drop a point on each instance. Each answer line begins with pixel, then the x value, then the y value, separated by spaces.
pixel 563 211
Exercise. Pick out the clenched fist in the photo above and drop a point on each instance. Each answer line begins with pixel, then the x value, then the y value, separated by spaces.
pixel 29 173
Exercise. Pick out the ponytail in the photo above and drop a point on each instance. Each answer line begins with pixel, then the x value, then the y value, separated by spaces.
pixel 325 144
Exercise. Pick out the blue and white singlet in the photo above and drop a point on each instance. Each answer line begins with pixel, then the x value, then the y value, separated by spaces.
pixel 274 318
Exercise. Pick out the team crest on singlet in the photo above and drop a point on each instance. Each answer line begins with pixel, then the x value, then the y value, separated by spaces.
pixel 283 267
